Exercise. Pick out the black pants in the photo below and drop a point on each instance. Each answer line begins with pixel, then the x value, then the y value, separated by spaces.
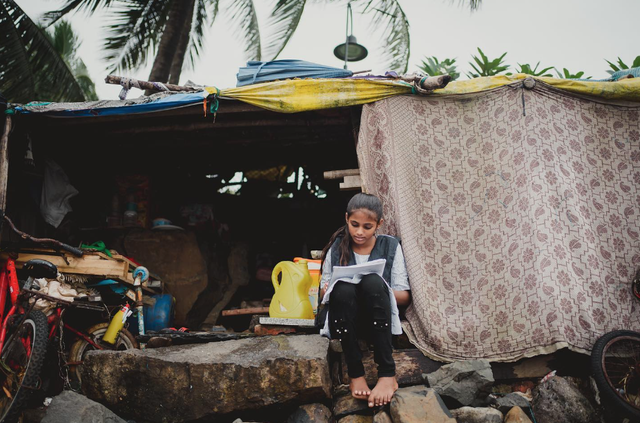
pixel 363 311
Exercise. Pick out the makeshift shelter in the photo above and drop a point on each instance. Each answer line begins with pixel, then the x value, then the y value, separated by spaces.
pixel 515 198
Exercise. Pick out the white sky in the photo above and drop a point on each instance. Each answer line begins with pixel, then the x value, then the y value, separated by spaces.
pixel 575 34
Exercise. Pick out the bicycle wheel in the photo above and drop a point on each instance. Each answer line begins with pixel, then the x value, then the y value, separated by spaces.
pixel 615 361
pixel 125 341
pixel 20 364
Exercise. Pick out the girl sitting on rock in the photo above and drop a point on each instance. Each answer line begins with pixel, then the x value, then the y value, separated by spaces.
pixel 366 306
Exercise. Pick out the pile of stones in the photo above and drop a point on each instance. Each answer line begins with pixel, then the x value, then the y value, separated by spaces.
pixel 298 379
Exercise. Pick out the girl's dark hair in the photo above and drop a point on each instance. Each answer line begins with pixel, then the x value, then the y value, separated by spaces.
pixel 360 201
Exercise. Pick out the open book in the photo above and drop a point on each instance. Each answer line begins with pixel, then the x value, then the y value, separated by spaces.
pixel 348 273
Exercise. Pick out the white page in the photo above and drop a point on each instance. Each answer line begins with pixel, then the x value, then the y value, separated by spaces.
pixel 346 273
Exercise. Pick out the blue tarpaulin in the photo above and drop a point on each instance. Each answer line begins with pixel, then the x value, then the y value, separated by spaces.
pixel 256 72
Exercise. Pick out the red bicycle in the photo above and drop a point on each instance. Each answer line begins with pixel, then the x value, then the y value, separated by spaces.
pixel 25 331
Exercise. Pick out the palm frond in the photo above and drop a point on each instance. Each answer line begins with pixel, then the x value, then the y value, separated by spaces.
pixel 389 14
pixel 243 14
pixel 91 6
pixel 213 5
pixel 473 4
pixel 136 28
pixel 199 22
pixel 284 20
pixel 29 65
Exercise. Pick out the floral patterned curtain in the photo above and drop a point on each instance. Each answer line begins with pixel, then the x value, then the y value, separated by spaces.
pixel 519 215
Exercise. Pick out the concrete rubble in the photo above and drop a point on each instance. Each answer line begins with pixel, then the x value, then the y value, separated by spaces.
pixel 278 379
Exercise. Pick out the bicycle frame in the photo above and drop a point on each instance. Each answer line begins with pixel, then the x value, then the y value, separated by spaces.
pixel 54 321
pixel 8 281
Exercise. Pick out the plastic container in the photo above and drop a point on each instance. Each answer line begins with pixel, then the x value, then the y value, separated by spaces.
pixel 291 282
pixel 314 272
pixel 116 325
pixel 159 316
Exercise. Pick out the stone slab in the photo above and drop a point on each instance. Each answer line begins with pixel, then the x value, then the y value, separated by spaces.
pixel 305 323
pixel 189 382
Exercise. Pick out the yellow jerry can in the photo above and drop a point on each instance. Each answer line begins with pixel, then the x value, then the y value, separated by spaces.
pixel 291 299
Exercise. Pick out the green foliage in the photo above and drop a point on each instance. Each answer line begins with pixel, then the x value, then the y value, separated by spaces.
pixel 433 67
pixel 486 67
pixel 621 65
pixel 568 75
pixel 66 43
pixel 30 66
pixel 526 69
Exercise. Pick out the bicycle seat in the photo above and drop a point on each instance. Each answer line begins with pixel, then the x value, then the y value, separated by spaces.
pixel 38 268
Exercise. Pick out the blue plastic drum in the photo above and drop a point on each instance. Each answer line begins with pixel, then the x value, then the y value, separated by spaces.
pixel 159 316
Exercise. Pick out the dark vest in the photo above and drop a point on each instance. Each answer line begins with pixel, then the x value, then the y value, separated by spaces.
pixel 385 247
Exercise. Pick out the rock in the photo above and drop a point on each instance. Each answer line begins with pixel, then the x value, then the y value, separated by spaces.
pixel 355 418
pixel 311 413
pixel 418 404
pixel 71 407
pixel 463 382
pixel 410 366
pixel 188 382
pixel 477 415
pixel 559 401
pixel 382 417
pixel 516 415
pixel 505 403
pixel 347 404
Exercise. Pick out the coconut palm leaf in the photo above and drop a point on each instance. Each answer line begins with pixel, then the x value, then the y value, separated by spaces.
pixel 136 28
pixel 67 43
pixel 91 6
pixel 199 23
pixel 473 4
pixel 389 15
pixel 243 14
pixel 28 61
pixel 284 20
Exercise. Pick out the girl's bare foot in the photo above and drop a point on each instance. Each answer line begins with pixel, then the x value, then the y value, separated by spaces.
pixel 359 388
pixel 384 390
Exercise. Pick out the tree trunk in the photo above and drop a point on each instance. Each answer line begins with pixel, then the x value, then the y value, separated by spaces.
pixel 170 39
pixel 185 35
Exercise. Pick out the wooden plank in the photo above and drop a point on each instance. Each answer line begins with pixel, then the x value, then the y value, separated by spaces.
pixel 88 265
pixel 245 311
pixel 351 182
pixel 337 174
pixel 94 264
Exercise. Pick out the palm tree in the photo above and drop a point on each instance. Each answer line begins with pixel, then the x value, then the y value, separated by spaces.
pixel 30 66
pixel 174 30
pixel 66 43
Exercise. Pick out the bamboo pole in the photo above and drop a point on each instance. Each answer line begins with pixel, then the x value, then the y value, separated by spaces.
pixel 146 85
pixel 4 164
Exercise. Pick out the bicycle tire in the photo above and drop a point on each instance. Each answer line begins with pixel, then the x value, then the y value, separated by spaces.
pixel 79 349
pixel 16 361
pixel 613 356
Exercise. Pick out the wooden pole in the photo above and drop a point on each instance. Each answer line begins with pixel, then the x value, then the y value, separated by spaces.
pixel 146 85
pixel 245 311
pixel 337 174
pixel 4 164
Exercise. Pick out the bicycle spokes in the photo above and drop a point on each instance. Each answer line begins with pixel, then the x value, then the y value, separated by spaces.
pixel 621 363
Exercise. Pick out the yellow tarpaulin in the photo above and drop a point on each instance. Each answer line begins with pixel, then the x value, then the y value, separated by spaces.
pixel 625 89
pixel 299 95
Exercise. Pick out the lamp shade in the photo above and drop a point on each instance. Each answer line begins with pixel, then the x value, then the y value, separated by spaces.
pixel 353 53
